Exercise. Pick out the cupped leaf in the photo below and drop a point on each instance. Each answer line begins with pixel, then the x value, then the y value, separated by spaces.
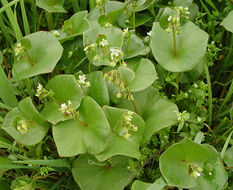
pixel 139 185
pixel 191 46
pixel 135 47
pixel 26 111
pixel 156 112
pixel 115 176
pixel 126 73
pixel 98 89
pixel 228 157
pixel 51 5
pixel 64 87
pixel 227 22
pixel 214 174
pixel 76 25
pixel 116 143
pixel 178 161
pixel 145 74
pixel 73 138
pixel 42 52
pixel 159 184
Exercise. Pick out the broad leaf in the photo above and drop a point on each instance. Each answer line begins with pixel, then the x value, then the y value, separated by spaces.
pixel 176 161
pixel 159 184
pixel 117 144
pixel 227 22
pixel 44 51
pixel 51 5
pixel 87 170
pixel 98 89
pixel 64 87
pixel 228 157
pixel 73 138
pixel 191 46
pixel 145 74
pixel 156 112
pixel 37 126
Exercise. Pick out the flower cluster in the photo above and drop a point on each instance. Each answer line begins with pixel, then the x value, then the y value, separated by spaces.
pixel 127 124
pixel 19 51
pixel 126 33
pixel 42 93
pixel 90 48
pixel 82 81
pixel 194 170
pixel 22 126
pixel 56 34
pixel 116 54
pixel 174 20
pixel 103 43
pixel 68 110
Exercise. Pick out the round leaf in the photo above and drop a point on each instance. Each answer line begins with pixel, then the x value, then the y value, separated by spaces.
pixel 227 22
pixel 145 74
pixel 191 47
pixel 64 87
pixel 44 51
pixel 116 144
pixel 51 5
pixel 73 138
pixel 156 112
pixel 86 171
pixel 27 112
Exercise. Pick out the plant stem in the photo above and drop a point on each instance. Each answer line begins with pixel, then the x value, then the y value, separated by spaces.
pixel 39 20
pixel 177 82
pixel 209 94
pixel 134 25
pixel 135 107
pixel 52 3
pixel 174 42
pixel 55 100
pixel 83 91
pixel 29 58
pixel 89 67
pixel 81 122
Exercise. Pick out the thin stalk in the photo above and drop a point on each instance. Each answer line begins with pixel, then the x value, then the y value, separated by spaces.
pixel 174 42
pixel 81 122
pixel 210 101
pixel 34 16
pixel 55 100
pixel 89 67
pixel 39 20
pixel 135 107
pixel 29 58
pixel 134 24
pixel 25 19
pixel 177 82
pixel 83 91
pixel 52 4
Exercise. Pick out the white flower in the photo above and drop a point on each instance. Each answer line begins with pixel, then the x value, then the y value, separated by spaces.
pixel 63 106
pixel 195 85
pixel 198 119
pixel 115 53
pixel 169 18
pixel 149 33
pixel 198 174
pixel 103 43
pixel 56 33
pixel 39 87
pixel 82 79
pixel 125 32
pixel 210 173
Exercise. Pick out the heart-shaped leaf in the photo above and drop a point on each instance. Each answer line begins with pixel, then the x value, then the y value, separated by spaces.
pixel 64 87
pixel 191 46
pixel 227 22
pixel 187 164
pixel 156 112
pixel 116 176
pixel 73 138
pixel 117 144
pixel 28 113
pixel 42 52
pixel 51 5
pixel 76 25
pixel 145 74
pixel 98 89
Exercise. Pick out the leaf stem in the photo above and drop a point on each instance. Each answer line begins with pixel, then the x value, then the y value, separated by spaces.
pixel 134 6
pixel 39 20
pixel 81 122
pixel 55 100
pixel 174 42
pixel 52 3
pixel 135 107
pixel 29 58
pixel 83 91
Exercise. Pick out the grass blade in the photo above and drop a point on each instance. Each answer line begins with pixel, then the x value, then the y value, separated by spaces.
pixel 225 146
pixel 25 19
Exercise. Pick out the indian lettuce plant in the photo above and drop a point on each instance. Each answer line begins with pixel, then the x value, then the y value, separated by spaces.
pixel 89 98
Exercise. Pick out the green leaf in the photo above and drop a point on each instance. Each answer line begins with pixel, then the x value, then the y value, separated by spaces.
pixel 5 143
pixel 228 157
pixel 227 22
pixel 51 5
pixel 85 171
pixel 6 93
pixel 143 4
pixel 139 185
pixel 145 74
pixel 73 138
pixel 159 184
pixel 135 47
pixel 191 47
pixel 64 87
pixel 117 144
pixel 175 165
pixel 37 126
pixel 4 185
pixel 218 177
pixel 184 3
pixel 44 52
pixel 76 25
pixel 126 73
pixel 156 112
pixel 98 89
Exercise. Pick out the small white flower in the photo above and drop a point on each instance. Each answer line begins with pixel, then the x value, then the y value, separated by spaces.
pixel 63 106
pixel 125 32
pixel 198 119
pixel 56 33
pixel 186 94
pixel 149 33
pixel 115 53
pixel 103 43
pixel 39 87
pixel 198 174
pixel 82 79
pixel 195 85
pixel 210 173
pixel 169 18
